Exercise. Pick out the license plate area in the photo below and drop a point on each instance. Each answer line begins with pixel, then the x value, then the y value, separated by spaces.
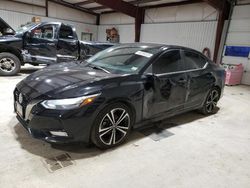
pixel 19 109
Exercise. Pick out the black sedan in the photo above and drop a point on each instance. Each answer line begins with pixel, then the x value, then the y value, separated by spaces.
pixel 121 88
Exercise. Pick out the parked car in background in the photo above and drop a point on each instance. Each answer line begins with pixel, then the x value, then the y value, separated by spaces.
pixel 124 87
pixel 43 43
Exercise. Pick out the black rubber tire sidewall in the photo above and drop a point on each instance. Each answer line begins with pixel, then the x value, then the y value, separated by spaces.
pixel 16 61
pixel 94 133
pixel 203 110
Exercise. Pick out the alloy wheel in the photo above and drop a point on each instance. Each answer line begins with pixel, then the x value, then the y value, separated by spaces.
pixel 212 100
pixel 114 126
pixel 7 64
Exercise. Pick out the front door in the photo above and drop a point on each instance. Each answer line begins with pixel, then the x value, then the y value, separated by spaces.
pixel 168 92
pixel 40 46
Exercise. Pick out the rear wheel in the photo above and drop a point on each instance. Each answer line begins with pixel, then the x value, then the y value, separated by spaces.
pixel 9 64
pixel 211 102
pixel 112 126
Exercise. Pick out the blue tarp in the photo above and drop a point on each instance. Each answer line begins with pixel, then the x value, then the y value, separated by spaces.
pixel 237 51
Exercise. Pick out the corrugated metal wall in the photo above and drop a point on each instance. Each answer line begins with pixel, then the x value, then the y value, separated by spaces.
pixel 24 8
pixel 16 14
pixel 188 25
pixel 15 19
pixel 239 35
pixel 197 35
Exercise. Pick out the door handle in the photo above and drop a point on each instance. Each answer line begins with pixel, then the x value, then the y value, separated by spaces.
pixel 51 44
pixel 182 80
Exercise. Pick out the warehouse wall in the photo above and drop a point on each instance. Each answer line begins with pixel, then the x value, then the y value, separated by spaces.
pixel 239 35
pixel 16 14
pixel 123 23
pixel 184 13
pixel 197 35
pixel 62 12
pixel 19 7
pixel 188 25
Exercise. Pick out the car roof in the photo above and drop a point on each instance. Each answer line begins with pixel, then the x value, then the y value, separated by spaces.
pixel 97 43
pixel 155 45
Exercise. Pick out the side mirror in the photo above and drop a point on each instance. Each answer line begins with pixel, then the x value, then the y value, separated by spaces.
pixel 28 36
pixel 150 80
pixel 70 37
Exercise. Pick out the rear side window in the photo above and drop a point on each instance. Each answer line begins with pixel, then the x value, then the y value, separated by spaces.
pixel 193 61
pixel 168 62
pixel 66 32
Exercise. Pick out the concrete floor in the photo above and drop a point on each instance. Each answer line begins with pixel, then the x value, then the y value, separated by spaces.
pixel 211 151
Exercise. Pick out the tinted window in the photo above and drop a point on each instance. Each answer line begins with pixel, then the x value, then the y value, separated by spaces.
pixel 193 60
pixel 169 62
pixel 44 32
pixel 66 32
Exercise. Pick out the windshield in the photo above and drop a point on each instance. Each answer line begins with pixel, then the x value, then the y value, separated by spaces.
pixel 25 28
pixel 123 59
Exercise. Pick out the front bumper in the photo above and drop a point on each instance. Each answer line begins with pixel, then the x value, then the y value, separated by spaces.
pixel 76 126
pixel 44 134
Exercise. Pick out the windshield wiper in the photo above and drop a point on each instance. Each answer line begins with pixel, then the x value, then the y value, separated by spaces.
pixel 99 68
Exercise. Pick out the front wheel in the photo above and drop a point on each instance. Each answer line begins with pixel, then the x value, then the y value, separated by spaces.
pixel 211 102
pixel 9 64
pixel 112 126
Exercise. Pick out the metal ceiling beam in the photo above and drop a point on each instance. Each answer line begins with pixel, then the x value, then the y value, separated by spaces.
pixel 98 19
pixel 108 12
pixel 223 16
pixel 172 4
pixel 139 20
pixel 128 9
pixel 84 3
pixel 73 6
pixel 97 8
pixel 142 1
pixel 120 6
pixel 217 4
pixel 47 8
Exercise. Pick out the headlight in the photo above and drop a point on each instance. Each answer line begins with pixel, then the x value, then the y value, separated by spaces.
pixel 71 103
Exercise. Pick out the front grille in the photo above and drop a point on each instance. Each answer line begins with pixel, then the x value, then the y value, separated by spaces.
pixel 25 99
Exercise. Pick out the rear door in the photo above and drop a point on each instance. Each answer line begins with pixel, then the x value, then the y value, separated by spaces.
pixel 169 87
pixel 199 78
pixel 68 45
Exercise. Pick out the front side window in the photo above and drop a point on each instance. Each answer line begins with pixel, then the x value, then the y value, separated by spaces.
pixel 193 61
pixel 168 63
pixel 43 32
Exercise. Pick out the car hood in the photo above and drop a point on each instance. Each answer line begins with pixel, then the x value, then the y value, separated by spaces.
pixel 4 25
pixel 9 38
pixel 55 79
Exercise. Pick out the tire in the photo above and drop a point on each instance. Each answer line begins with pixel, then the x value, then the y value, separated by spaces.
pixel 105 134
pixel 9 64
pixel 211 101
